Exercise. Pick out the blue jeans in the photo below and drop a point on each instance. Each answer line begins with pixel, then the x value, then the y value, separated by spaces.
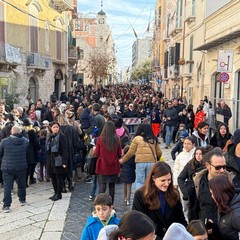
pixel 8 178
pixel 169 133
pixel 142 170
pixel 94 188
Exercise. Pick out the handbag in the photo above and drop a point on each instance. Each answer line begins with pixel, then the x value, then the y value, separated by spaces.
pixel 91 165
pixel 58 161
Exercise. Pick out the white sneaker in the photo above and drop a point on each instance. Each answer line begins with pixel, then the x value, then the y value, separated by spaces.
pixel 22 203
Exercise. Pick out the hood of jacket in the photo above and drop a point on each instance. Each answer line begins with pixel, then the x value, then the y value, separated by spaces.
pixel 235 203
pixel 86 112
pixel 17 139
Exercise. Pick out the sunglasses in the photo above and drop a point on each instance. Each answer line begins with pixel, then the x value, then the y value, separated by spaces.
pixel 217 168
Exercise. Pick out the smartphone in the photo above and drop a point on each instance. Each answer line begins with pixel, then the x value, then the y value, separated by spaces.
pixel 208 224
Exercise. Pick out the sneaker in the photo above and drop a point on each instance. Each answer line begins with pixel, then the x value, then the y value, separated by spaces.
pixel 90 198
pixel 88 180
pixel 128 203
pixel 22 203
pixel 6 209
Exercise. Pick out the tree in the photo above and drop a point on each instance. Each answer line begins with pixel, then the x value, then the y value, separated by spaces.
pixel 98 64
pixel 142 71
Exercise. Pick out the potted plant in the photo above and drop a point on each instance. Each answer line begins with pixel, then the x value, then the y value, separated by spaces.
pixel 181 61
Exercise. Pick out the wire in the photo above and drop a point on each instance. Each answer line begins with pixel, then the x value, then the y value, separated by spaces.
pixel 130 25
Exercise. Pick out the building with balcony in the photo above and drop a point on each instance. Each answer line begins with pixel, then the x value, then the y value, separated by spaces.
pixel 198 47
pixel 33 48
pixel 141 51
pixel 94 44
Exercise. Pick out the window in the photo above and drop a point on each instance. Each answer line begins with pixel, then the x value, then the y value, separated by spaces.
pixel 193 7
pixel 159 17
pixel 33 34
pixel 59 44
pixel 47 36
pixel 80 53
pixel 179 13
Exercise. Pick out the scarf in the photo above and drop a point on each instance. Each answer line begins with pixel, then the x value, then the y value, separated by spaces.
pixel 53 143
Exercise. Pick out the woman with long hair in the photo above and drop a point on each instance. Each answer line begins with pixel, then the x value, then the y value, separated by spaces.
pixel 220 138
pixel 147 151
pixel 108 151
pixel 56 144
pixel 199 116
pixel 185 178
pixel 159 199
pixel 228 204
pixel 200 135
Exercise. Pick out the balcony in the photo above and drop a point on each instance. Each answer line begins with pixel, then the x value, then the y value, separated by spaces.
pixel 190 19
pixel 72 55
pixel 175 32
pixel 37 61
pixel 61 5
pixel 9 54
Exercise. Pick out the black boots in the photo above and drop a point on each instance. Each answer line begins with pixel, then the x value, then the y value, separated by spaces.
pixel 56 197
pixel 70 184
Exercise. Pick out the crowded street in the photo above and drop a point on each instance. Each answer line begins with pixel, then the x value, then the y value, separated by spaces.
pixel 119 120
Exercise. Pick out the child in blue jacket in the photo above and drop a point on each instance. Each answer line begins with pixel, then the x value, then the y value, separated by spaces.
pixel 102 216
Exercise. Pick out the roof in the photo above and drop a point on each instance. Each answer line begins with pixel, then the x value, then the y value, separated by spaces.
pixel 101 13
pixel 218 41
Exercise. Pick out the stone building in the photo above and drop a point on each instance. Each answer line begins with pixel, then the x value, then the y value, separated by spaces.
pixel 34 48
pixel 94 37
pixel 200 41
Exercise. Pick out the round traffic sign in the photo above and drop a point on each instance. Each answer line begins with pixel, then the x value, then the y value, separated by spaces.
pixel 224 77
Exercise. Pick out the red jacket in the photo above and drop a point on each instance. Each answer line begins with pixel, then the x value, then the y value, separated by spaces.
pixel 107 162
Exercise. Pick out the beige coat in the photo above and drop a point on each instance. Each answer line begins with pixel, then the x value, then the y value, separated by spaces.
pixel 142 151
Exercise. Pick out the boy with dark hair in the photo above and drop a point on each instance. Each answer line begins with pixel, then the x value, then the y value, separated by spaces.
pixel 102 216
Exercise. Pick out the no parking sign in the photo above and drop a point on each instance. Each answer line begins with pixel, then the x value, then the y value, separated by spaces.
pixel 224 77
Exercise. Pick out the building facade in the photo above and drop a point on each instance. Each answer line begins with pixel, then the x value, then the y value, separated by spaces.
pixel 34 48
pixel 196 35
pixel 95 44
pixel 141 51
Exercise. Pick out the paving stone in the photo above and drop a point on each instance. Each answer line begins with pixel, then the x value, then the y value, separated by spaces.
pixel 40 217
pixel 51 236
pixel 54 226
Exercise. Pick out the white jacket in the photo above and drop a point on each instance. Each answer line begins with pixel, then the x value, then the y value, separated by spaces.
pixel 181 160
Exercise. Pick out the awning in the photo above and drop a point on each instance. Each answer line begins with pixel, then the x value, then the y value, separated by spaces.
pixel 218 41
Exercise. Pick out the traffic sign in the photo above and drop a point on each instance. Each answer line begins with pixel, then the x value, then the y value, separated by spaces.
pixel 224 77
pixel 225 61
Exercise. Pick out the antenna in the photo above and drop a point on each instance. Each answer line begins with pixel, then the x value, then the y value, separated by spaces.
pixel 101 4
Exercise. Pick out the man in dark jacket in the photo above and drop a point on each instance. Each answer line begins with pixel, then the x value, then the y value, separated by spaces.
pixel 13 151
pixel 204 205
pixel 171 116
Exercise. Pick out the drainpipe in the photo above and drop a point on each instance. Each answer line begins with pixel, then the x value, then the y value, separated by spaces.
pixel 183 42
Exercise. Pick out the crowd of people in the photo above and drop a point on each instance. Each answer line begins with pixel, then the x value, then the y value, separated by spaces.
pixel 85 129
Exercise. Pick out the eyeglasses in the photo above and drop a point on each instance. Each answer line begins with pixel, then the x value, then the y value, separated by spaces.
pixel 217 168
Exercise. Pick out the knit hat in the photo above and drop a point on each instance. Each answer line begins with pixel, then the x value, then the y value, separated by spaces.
pixel 236 136
pixel 27 122
pixel 177 229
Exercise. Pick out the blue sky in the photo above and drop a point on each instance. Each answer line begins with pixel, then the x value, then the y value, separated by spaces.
pixel 119 14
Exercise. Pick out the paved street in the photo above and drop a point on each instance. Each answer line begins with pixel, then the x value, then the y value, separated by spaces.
pixel 45 220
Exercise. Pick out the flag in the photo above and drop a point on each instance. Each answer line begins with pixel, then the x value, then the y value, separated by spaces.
pixel 148 27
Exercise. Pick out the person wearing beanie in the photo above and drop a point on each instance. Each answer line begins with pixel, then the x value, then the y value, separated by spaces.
pixel 177 231
pixel 233 158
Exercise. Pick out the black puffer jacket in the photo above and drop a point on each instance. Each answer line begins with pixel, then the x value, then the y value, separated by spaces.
pixel 13 152
pixel 229 224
